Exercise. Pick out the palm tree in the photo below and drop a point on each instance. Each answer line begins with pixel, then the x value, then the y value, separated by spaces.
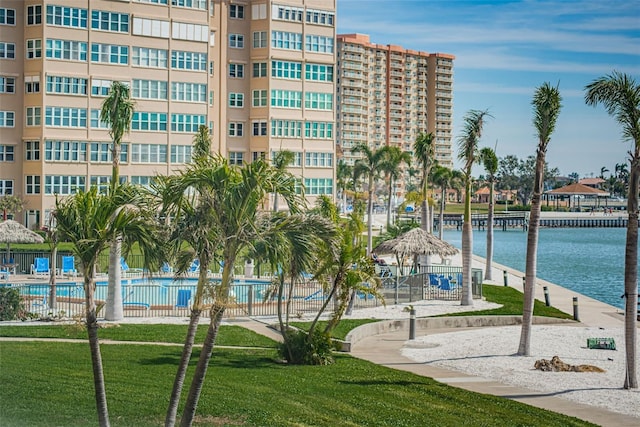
pixel 468 145
pixel 235 195
pixel 620 95
pixel 441 176
pixel 344 181
pixel 201 143
pixel 603 169
pixel 370 166
pixel 490 162
pixel 90 221
pixel 547 103
pixel 391 161
pixel 424 149
pixel 281 160
pixel 116 112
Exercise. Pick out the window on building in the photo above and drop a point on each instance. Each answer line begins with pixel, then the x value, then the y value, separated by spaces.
pixel 236 100
pixel 66 117
pixel 65 151
pixel 148 153
pixel 259 69
pixel 181 153
pixel 67 85
pixel 100 87
pixel 319 160
pixel 259 98
pixel 33 116
pixel 318 101
pixel 236 11
pixel 319 44
pixel 34 48
pixel 319 72
pixel 6 153
pixel 32 84
pixel 194 4
pixel 191 61
pixel 7 119
pixel 187 123
pixel 6 187
pixel 258 155
pixel 297 158
pixel 286 40
pixel 259 128
pixel 236 41
pixel 317 186
pixel 32 184
pixel 318 130
pixel 100 152
pixel 259 39
pixel 7 16
pixel 66 16
pixel 7 84
pixel 151 28
pixel 143 181
pixel 286 128
pixel 152 1
pixel 193 32
pixel 148 57
pixel 95 122
pixel 236 129
pixel 32 150
pixel 286 98
pixel 236 71
pixel 188 92
pixel 34 14
pixel 109 21
pixel 101 182
pixel 320 17
pixel 63 184
pixel 236 158
pixel 148 89
pixel 286 70
pixel 7 50
pixel 66 49
pixel 287 13
pixel 211 68
pixel 148 121
pixel 109 53
pixel 259 11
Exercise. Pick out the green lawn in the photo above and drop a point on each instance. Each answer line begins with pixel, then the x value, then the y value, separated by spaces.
pixel 50 384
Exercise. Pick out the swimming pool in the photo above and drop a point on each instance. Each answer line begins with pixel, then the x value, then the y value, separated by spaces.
pixel 147 292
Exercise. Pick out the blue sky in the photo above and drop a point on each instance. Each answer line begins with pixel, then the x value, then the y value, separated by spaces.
pixel 504 50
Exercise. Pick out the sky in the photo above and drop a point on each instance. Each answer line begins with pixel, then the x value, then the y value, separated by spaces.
pixel 506 49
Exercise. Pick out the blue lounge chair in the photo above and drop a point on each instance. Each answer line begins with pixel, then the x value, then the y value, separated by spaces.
pixel 194 267
pixel 184 296
pixel 166 268
pixel 446 285
pixel 434 279
pixel 123 265
pixel 4 273
pixel 40 267
pixel 68 266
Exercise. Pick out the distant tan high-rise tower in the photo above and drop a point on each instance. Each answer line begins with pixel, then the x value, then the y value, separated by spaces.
pixel 388 95
pixel 259 73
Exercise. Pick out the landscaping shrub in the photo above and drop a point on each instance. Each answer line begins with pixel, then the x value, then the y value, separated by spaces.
pixel 11 307
pixel 299 349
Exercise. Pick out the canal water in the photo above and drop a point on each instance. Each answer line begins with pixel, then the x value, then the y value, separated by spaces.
pixel 587 260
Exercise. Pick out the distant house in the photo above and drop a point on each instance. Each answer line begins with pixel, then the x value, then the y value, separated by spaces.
pixel 592 182
pixel 482 195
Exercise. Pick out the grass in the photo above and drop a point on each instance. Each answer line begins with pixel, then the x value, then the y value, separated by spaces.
pixel 47 384
pixel 228 335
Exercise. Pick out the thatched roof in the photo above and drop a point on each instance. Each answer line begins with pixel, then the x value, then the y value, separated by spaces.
pixel 14 232
pixel 416 242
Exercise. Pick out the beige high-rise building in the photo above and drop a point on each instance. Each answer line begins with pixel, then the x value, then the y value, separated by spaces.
pixel 388 95
pixel 258 73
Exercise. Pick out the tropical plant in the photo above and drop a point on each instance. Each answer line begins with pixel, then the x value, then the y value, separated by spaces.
pixel 90 221
pixel 392 161
pixel 10 204
pixel 116 112
pixel 233 196
pixel 468 146
pixel 201 143
pixel 546 103
pixel 424 149
pixel 344 182
pixel 281 161
pixel 444 178
pixel 620 95
pixel 489 160
pixel 369 166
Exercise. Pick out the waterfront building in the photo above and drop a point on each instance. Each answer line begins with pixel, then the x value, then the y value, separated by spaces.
pixel 258 73
pixel 388 95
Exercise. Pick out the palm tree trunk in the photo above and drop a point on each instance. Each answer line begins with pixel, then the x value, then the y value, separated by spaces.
pixel 524 347
pixel 631 277
pixel 370 218
pixel 489 262
pixel 113 308
pixel 389 202
pixel 467 248
pixel 178 382
pixel 217 311
pixel 53 302
pixel 441 217
pixel 96 358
